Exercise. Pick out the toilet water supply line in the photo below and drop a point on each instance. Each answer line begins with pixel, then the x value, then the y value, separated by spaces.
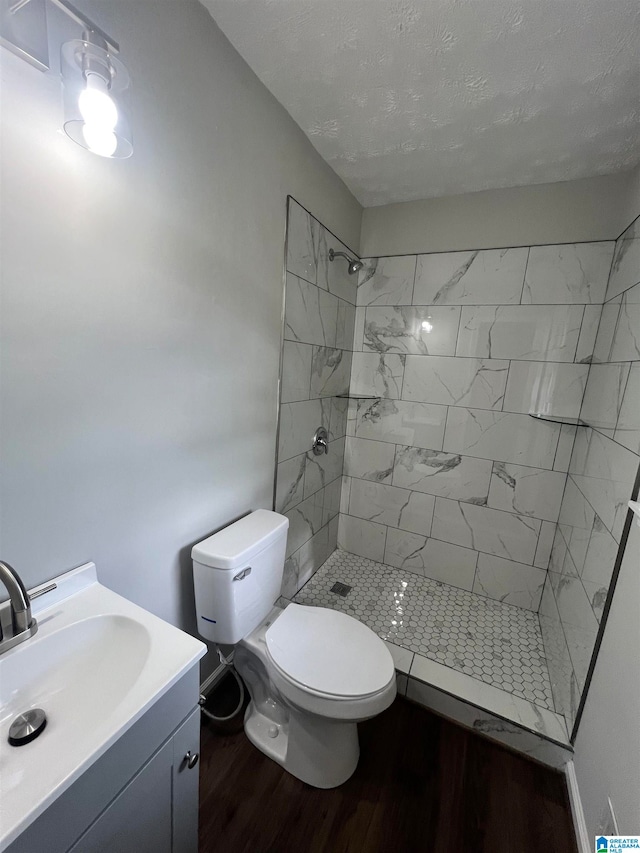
pixel 230 668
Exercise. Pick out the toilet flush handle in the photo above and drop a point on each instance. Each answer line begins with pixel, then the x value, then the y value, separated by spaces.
pixel 243 574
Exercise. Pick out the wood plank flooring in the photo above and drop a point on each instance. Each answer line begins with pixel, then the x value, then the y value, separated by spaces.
pixel 422 783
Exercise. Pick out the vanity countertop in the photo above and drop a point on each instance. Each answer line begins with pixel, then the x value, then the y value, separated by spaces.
pixel 96 664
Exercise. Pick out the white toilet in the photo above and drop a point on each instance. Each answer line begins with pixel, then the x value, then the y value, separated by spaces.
pixel 312 673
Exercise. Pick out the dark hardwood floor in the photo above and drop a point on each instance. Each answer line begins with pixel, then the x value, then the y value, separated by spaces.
pixel 422 784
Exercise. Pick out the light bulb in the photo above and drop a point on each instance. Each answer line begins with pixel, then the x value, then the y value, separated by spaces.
pixel 427 326
pixel 96 106
pixel 101 140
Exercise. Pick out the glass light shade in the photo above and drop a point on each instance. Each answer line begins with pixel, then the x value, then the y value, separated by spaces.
pixel 96 87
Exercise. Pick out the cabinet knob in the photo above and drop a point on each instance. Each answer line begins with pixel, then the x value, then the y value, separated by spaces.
pixel 191 759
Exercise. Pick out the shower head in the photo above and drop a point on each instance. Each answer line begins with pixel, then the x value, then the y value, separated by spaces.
pixel 354 265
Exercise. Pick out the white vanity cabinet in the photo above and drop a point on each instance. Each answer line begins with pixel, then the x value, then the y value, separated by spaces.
pixel 141 796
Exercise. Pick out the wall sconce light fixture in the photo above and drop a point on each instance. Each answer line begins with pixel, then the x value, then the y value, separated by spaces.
pixel 96 84
pixel 96 87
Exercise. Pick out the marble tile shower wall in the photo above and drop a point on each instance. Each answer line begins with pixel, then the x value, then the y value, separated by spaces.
pixel 316 366
pixel 601 477
pixel 446 474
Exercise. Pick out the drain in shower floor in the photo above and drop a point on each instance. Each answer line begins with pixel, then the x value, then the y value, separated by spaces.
pixel 341 589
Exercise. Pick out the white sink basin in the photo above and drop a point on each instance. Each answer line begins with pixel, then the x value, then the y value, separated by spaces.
pixel 95 665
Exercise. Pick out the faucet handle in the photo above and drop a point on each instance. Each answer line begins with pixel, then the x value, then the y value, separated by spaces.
pixel 320 441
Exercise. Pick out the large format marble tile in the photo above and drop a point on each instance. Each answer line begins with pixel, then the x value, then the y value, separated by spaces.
pixel 573 603
pixel 358 329
pixel 331 502
pixel 323 469
pixel 628 426
pixel 401 422
pixel 334 275
pixel 345 494
pixel 444 474
pixel 606 331
pixel 575 523
pixel 389 505
pixel 626 338
pixel 546 388
pixel 488 277
pixel 290 483
pixel 304 562
pixel 576 512
pixel 430 558
pixel 601 555
pixel 305 520
pixel 509 581
pixel 499 533
pixel 501 436
pixel 545 543
pixel 564 687
pixel 581 643
pixel 369 460
pixel 455 381
pixel 573 272
pixel 603 395
pixel 558 553
pixel 496 728
pixel 588 334
pixel 604 471
pixel 411 329
pixel 345 325
pixel 632 295
pixel 330 372
pixel 364 538
pixel 597 595
pixel 527 332
pixel 302 242
pixel 298 423
pixel 501 702
pixel 386 281
pixel 310 313
pixel 338 418
pixel 526 491
pixel 296 371
pixel 377 375
pixel 625 270
pixel 564 450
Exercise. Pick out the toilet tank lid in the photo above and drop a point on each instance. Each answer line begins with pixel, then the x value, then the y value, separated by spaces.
pixel 235 546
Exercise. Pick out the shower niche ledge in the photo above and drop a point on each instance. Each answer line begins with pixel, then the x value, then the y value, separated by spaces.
pixel 559 419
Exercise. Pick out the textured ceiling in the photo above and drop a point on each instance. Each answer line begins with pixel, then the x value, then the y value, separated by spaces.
pixel 408 99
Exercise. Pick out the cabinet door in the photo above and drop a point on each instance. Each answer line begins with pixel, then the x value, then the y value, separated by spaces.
pixel 185 785
pixel 139 819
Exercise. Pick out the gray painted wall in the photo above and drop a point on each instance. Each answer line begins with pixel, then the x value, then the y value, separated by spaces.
pixel 570 212
pixel 141 308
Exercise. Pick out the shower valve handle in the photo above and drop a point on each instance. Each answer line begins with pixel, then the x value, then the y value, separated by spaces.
pixel 320 441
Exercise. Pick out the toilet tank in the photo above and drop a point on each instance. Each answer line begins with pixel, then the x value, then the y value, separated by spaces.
pixel 237 575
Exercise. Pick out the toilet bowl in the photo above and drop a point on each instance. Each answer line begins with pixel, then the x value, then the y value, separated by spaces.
pixel 312 673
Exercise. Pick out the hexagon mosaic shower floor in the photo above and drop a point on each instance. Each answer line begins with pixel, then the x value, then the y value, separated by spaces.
pixel 494 642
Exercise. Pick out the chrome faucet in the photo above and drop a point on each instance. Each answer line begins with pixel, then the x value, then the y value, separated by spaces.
pixel 20 625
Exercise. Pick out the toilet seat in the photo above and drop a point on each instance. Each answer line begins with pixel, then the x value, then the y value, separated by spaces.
pixel 328 653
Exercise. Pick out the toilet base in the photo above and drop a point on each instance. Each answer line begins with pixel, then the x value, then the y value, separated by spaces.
pixel 323 753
